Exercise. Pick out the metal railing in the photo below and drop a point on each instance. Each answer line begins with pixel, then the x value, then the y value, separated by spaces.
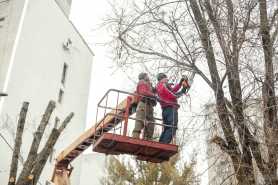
pixel 122 116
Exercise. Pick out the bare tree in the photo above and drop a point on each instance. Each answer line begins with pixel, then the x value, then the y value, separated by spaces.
pixel 224 42
pixel 36 160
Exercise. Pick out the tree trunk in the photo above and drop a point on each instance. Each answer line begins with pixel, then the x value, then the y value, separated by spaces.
pixel 18 142
pixel 269 98
pixel 44 154
pixel 29 163
pixel 35 162
pixel 242 162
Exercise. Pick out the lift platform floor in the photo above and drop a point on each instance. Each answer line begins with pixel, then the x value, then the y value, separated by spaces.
pixel 151 151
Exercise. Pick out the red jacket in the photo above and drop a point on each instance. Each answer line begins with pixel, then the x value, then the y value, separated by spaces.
pixel 167 94
pixel 144 88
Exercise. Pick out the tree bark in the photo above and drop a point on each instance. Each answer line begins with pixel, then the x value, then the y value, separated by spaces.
pixel 241 164
pixel 29 163
pixel 18 142
pixel 44 154
pixel 269 97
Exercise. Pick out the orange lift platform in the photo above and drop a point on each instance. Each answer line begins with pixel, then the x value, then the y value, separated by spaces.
pixel 110 136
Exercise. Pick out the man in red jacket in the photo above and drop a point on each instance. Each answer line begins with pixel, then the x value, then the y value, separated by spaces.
pixel 144 110
pixel 168 96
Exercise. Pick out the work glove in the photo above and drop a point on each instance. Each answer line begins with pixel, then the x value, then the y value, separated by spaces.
pixel 157 98
pixel 153 102
pixel 183 90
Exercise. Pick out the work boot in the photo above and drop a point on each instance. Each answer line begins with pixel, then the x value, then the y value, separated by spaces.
pixel 136 134
pixel 148 138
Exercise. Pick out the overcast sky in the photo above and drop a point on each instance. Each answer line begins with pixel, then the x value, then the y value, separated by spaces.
pixel 87 15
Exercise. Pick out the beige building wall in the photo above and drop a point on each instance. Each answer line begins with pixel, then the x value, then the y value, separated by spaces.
pixel 92 169
pixel 47 41
pixel 10 14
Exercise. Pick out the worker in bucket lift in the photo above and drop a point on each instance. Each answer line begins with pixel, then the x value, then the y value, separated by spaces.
pixel 168 96
pixel 144 110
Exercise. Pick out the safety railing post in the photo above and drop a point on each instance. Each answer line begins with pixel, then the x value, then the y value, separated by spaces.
pixel 116 112
pixel 126 114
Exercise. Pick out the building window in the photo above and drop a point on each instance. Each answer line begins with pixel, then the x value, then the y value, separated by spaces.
pixel 64 74
pixel 61 96
pixel 2 19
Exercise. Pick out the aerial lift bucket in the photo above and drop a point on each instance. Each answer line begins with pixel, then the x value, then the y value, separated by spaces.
pixel 146 150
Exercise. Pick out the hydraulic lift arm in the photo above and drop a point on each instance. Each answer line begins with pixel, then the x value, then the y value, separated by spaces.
pixel 62 168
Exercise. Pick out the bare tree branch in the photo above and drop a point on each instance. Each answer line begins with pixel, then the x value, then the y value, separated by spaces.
pixel 273 19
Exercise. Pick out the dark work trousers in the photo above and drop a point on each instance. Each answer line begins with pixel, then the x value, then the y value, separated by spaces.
pixel 170 117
